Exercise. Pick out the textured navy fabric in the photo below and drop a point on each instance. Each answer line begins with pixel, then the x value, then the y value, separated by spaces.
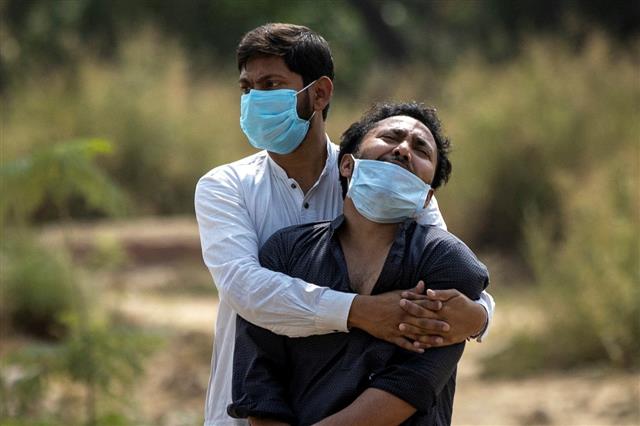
pixel 303 380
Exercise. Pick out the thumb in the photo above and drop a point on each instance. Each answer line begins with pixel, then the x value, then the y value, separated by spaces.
pixel 419 288
pixel 442 295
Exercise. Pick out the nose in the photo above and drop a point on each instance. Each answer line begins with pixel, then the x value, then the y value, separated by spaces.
pixel 403 151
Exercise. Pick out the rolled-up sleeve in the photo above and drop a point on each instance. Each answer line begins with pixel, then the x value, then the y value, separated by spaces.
pixel 432 216
pixel 259 374
pixel 419 378
pixel 272 300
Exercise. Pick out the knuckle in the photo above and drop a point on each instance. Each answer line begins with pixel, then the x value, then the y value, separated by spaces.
pixel 426 323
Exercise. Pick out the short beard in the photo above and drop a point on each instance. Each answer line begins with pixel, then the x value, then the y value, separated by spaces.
pixel 307 109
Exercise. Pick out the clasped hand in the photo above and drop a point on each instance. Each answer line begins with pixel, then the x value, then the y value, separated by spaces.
pixel 415 320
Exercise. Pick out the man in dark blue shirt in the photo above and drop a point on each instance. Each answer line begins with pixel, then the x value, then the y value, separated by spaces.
pixel 390 163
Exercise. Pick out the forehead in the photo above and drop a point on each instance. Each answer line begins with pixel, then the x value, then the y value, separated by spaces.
pixel 266 65
pixel 403 123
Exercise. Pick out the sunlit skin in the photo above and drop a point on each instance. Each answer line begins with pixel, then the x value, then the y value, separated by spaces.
pixel 400 140
pixel 404 141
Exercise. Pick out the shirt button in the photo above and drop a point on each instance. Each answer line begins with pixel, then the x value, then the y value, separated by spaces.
pixel 293 185
pixel 306 205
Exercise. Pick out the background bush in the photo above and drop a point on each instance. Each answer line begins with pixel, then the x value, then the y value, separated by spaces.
pixel 36 288
pixel 587 274
pixel 545 167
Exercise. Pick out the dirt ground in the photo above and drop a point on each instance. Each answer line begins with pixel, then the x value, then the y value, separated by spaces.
pixel 166 288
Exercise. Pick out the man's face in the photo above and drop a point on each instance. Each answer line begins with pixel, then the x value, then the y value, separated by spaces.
pixel 404 141
pixel 271 73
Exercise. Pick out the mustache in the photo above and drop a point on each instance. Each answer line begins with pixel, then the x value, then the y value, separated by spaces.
pixel 398 160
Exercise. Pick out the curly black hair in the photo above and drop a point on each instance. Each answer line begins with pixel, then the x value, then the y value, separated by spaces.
pixel 352 137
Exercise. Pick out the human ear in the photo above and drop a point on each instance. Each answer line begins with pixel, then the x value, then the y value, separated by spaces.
pixel 323 91
pixel 346 166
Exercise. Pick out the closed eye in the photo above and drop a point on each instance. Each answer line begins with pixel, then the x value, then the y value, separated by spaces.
pixel 423 149
pixel 389 138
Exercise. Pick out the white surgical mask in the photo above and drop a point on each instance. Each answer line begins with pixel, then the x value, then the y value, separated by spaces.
pixel 385 192
pixel 270 121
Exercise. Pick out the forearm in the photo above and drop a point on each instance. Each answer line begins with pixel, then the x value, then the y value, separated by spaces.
pixel 282 304
pixel 373 407
pixel 269 299
pixel 489 305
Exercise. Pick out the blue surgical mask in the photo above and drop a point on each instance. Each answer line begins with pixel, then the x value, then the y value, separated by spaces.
pixel 385 192
pixel 270 120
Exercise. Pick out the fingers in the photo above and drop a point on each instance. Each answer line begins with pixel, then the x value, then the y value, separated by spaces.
pixel 419 288
pixel 430 341
pixel 421 308
pixel 425 327
pixel 442 295
pixel 407 344
pixel 426 341
pixel 409 294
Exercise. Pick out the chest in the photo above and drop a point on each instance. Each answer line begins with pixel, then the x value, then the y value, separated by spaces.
pixel 275 203
pixel 365 267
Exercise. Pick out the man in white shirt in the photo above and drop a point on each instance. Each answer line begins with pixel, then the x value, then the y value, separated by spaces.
pixel 286 74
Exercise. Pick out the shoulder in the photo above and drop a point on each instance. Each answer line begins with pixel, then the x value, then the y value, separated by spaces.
pixel 290 243
pixel 237 171
pixel 447 250
pixel 231 177
pixel 435 238
pixel 295 235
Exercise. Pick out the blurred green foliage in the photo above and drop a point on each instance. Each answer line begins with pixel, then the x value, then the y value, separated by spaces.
pixel 103 358
pixel 56 174
pixel 43 294
pixel 166 129
pixel 36 288
pixel 41 34
pixel 587 275
pixel 517 127
pixel 542 110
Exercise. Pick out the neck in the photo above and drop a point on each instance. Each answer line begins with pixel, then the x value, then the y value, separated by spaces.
pixel 360 232
pixel 306 163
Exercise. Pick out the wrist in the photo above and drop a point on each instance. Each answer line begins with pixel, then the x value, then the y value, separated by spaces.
pixel 357 313
pixel 483 317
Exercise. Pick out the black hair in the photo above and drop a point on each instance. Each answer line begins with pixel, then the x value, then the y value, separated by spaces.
pixel 304 52
pixel 352 137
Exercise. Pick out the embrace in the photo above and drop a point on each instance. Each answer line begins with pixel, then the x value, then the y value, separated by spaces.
pixel 343 299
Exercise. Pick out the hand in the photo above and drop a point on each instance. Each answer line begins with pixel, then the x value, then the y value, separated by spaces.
pixel 381 315
pixel 464 317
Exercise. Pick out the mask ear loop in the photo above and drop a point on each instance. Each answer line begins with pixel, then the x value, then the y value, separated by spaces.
pixel 302 90
pixel 305 87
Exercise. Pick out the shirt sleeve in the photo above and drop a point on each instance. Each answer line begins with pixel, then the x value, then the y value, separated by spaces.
pixel 431 215
pixel 419 378
pixel 487 302
pixel 272 300
pixel 259 372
